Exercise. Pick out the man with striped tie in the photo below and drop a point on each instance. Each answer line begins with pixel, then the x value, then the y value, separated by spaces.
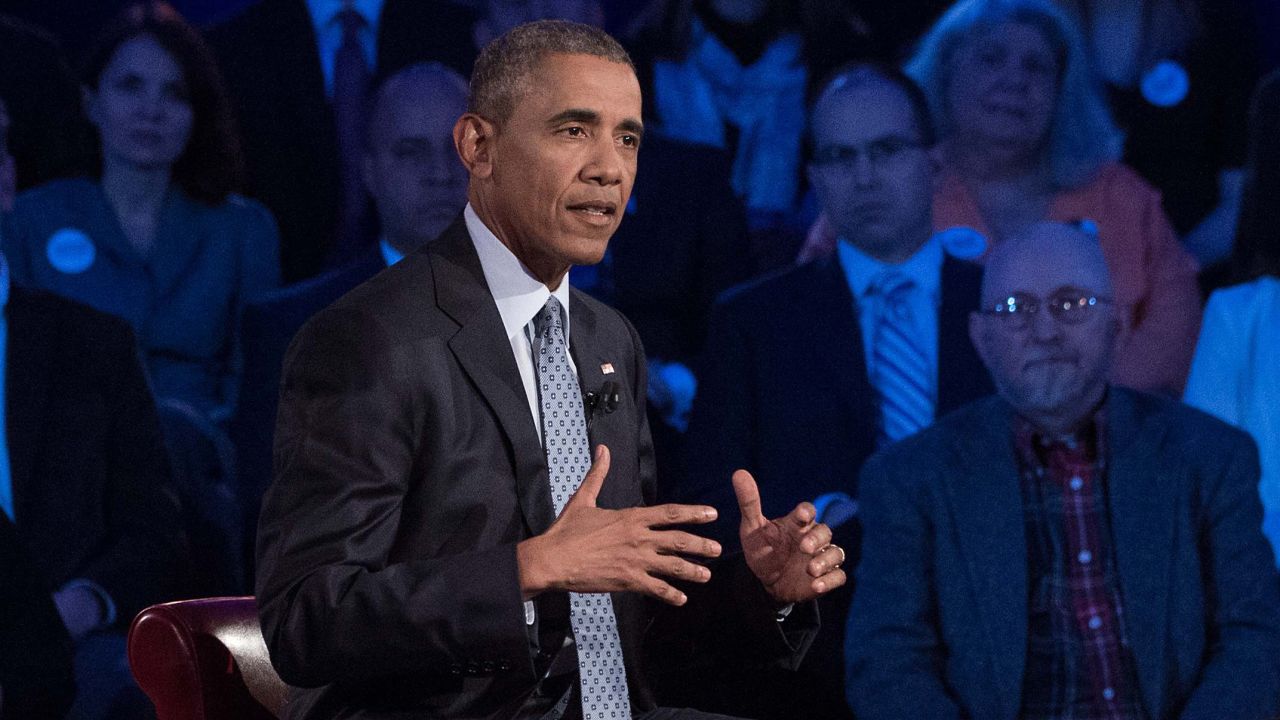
pixel 810 371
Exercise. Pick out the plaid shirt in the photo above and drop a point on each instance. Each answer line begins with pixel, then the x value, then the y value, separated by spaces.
pixel 1079 665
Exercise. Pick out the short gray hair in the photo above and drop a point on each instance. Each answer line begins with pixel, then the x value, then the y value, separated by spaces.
pixel 502 70
pixel 1082 136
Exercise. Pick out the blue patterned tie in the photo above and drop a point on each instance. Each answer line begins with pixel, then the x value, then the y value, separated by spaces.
pixel 900 371
pixel 601 673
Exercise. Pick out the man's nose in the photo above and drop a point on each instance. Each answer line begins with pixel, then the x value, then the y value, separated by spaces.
pixel 864 170
pixel 605 165
pixel 1044 326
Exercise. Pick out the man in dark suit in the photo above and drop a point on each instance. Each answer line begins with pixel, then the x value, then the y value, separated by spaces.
pixel 418 187
pixel 808 371
pixel 35 652
pixel 439 527
pixel 1066 549
pixel 91 495
pixel 281 62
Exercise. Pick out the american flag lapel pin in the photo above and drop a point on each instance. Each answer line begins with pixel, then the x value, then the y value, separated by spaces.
pixel 606 368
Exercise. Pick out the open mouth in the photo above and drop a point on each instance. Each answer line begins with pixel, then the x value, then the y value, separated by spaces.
pixel 598 209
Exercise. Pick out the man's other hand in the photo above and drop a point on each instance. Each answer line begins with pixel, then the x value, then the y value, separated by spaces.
pixel 591 549
pixel 793 555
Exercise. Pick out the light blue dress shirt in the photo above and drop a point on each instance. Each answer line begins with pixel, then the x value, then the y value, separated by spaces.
pixel 6 478
pixel 925 269
pixel 324 18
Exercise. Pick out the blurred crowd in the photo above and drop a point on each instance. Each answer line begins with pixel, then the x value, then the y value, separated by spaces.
pixel 821 185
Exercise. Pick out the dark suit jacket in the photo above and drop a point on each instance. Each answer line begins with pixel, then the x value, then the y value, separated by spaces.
pixel 783 388
pixel 266 327
pixel 91 485
pixel 269 59
pixel 35 651
pixel 407 470
pixel 939 622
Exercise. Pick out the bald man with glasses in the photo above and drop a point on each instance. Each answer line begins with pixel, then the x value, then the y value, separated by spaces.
pixel 1067 549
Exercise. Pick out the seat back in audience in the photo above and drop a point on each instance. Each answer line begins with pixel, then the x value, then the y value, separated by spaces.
pixel 205 659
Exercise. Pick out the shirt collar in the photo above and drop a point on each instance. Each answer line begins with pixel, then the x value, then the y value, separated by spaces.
pixel 390 255
pixel 324 12
pixel 518 294
pixel 924 267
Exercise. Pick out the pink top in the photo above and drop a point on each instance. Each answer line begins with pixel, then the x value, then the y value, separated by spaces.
pixel 1153 276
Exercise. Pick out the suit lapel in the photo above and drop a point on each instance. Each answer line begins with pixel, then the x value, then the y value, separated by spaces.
pixel 986 499
pixel 482 350
pixel 28 357
pixel 584 345
pixel 179 238
pixel 961 376
pixel 827 324
pixel 1143 485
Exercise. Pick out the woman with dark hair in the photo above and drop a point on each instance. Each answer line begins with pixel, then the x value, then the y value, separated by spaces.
pixel 1234 373
pixel 157 237
pixel 734 74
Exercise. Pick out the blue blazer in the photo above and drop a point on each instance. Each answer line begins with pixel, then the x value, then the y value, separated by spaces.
pixel 938 627
pixel 183 300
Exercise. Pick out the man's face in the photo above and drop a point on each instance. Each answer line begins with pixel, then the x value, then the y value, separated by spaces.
pixel 1042 364
pixel 411 168
pixel 1004 86
pixel 559 171
pixel 870 170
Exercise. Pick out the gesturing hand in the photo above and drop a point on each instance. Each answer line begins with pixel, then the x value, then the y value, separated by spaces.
pixel 793 555
pixel 591 549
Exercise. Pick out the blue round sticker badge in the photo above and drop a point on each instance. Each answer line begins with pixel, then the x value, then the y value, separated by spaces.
pixel 70 251
pixel 1166 84
pixel 962 243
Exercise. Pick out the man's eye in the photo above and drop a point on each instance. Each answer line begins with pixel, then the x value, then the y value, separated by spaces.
pixel 631 141
pixel 575 131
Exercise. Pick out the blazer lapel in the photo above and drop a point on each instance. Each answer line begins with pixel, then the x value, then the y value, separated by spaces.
pixel 827 322
pixel 179 238
pixel 26 387
pixel 1143 484
pixel 584 346
pixel 482 350
pixel 986 500
pixel 961 375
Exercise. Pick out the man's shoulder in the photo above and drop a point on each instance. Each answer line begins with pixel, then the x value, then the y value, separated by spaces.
pixel 1193 431
pixel 788 286
pixel 312 295
pixel 949 433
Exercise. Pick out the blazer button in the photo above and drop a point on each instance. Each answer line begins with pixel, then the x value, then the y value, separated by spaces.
pixel 504 666
pixel 489 666
pixel 455 670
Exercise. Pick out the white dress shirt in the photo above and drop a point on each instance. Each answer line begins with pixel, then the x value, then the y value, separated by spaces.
pixel 324 18
pixel 520 297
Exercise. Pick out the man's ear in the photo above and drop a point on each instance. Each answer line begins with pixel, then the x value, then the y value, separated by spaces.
pixel 978 336
pixel 473 138
pixel 89 100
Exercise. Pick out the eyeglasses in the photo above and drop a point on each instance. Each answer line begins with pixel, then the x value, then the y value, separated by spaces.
pixel 1069 308
pixel 880 153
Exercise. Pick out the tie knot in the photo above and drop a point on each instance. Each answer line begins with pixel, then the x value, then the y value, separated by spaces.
pixel 351 20
pixel 892 285
pixel 549 318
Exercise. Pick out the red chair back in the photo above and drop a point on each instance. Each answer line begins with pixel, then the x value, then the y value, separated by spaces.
pixel 205 660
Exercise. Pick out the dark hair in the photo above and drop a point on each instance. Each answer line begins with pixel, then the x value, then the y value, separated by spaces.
pixel 211 165
pixel 853 73
pixel 502 70
pixel 1257 248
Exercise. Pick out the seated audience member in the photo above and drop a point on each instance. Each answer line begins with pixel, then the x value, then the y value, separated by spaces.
pixel 1233 374
pixel 1178 75
pixel 808 371
pixel 1025 137
pixel 36 682
pixel 89 481
pixel 157 238
pixel 1069 548
pixel 299 72
pixel 418 186
pixel 734 75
